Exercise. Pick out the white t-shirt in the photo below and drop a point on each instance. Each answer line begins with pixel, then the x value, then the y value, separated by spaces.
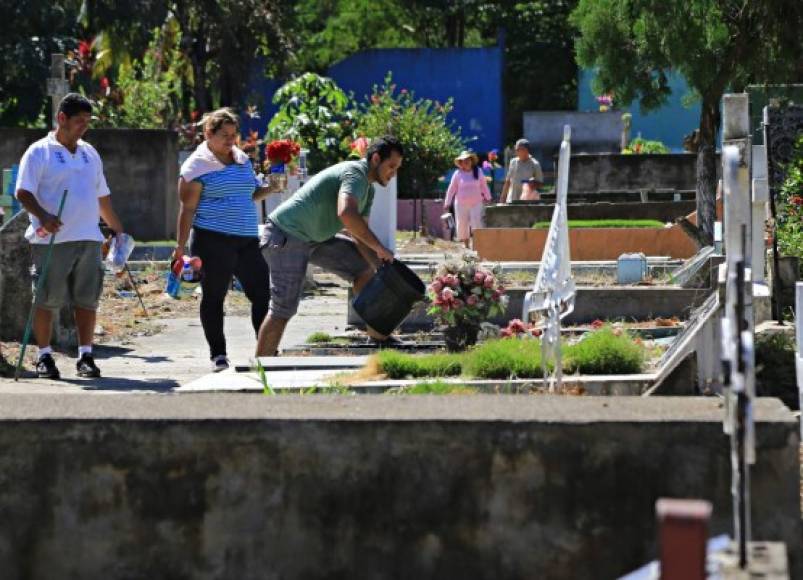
pixel 46 170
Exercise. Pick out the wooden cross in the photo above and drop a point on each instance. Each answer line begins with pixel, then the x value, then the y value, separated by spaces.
pixel 57 85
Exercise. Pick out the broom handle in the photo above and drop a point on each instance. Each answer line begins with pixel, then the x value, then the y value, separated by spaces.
pixel 39 284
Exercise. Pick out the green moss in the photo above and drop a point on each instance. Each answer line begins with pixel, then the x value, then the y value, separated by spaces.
pixel 605 352
pixel 611 223
pixel 435 388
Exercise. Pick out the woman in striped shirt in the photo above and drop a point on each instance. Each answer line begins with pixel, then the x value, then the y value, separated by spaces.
pixel 217 191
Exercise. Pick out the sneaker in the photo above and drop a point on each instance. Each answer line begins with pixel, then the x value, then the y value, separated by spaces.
pixel 86 367
pixel 220 363
pixel 46 368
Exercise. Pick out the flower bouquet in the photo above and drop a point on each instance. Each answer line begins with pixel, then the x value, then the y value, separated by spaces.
pixel 279 153
pixel 463 296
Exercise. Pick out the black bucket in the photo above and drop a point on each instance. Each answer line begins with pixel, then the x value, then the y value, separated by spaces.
pixel 389 296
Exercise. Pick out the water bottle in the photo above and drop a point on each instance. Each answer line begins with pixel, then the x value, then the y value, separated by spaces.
pixel 302 167
pixel 187 273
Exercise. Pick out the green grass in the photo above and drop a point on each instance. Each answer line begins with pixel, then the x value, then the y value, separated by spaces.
pixel 319 337
pixel 605 353
pixel 159 243
pixel 605 224
pixel 399 365
pixel 505 358
pixel 434 388
pixel 601 352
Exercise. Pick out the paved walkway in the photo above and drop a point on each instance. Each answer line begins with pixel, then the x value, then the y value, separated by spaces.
pixel 179 355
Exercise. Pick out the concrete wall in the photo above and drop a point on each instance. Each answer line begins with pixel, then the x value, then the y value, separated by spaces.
pixel 603 172
pixel 591 133
pixel 527 245
pixel 524 216
pixel 485 486
pixel 409 215
pixel 141 167
pixel 591 303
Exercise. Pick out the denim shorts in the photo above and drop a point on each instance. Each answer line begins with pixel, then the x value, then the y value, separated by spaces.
pixel 287 258
pixel 74 275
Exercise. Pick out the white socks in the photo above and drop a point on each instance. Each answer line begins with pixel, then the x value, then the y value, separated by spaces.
pixel 82 350
pixel 43 350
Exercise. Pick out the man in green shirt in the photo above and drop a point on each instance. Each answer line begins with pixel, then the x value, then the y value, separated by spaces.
pixel 306 229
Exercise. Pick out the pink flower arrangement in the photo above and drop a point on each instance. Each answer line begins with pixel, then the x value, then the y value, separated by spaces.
pixel 465 294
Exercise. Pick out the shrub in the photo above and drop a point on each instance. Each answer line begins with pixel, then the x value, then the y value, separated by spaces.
pixel 604 352
pixel 639 146
pixel 789 229
pixel 505 358
pixel 430 141
pixel 399 365
pixel 317 114
pixel 775 368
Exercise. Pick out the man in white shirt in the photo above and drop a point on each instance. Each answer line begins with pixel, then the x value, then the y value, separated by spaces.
pixel 63 161
pixel 523 169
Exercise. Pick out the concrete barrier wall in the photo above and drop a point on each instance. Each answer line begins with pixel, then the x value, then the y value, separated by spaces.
pixel 141 167
pixel 524 216
pixel 254 487
pixel 602 172
pixel 606 303
pixel 527 244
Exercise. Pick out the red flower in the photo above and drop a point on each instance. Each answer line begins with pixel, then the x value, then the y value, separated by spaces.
pixel 597 324
pixel 104 83
pixel 84 48
pixel 282 151
pixel 797 200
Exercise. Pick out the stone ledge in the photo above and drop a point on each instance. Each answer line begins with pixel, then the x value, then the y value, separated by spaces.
pixel 400 408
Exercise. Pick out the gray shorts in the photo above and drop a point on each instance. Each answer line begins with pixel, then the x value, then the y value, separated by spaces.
pixel 288 257
pixel 75 275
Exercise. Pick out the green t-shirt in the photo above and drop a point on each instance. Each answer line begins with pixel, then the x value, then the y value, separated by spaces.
pixel 311 213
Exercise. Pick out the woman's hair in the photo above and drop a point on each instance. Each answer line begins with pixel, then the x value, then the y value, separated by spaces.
pixel 216 119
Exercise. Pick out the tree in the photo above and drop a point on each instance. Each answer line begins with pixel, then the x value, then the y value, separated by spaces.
pixel 717 45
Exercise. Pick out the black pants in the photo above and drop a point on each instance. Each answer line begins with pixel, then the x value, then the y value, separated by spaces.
pixel 224 256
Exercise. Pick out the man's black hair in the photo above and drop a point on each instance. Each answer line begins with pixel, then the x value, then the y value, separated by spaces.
pixel 73 103
pixel 384 145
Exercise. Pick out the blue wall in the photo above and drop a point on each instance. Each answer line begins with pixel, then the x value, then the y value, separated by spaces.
pixel 668 124
pixel 471 76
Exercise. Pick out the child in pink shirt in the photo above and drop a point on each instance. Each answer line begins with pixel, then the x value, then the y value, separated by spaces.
pixel 469 190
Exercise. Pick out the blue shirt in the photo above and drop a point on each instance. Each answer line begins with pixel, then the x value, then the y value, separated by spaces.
pixel 227 204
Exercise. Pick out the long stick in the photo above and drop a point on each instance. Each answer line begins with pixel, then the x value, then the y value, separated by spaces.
pixel 39 283
pixel 136 289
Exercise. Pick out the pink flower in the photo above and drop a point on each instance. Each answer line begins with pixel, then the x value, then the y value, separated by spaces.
pixel 436 286
pixel 447 294
pixel 500 289
pixel 489 282
pixel 472 300
pixel 451 280
pixel 479 277
pixel 495 296
pixel 458 304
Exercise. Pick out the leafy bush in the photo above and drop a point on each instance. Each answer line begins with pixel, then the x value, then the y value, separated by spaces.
pixel 606 223
pixel 398 365
pixel 605 352
pixel 639 146
pixel 316 113
pixel 505 358
pixel 789 229
pixel 430 142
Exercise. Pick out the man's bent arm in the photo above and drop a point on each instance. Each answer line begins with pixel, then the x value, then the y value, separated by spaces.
pixel 349 214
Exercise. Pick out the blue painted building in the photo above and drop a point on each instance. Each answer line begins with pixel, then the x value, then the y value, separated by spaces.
pixel 668 124
pixel 472 77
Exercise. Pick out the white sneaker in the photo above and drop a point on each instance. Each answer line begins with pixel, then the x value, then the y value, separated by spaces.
pixel 220 363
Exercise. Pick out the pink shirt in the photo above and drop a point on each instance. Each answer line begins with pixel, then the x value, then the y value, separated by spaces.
pixel 467 190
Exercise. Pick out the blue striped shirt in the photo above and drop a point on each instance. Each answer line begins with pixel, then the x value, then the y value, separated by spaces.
pixel 226 203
